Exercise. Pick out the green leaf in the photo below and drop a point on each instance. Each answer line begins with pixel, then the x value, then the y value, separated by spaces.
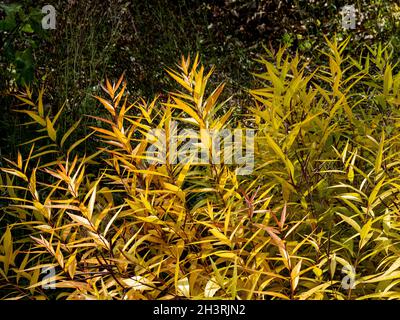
pixel 27 28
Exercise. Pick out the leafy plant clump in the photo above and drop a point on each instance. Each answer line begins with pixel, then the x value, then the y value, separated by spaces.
pixel 316 218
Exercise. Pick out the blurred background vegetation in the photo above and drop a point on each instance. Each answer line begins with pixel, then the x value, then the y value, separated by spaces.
pixel 95 39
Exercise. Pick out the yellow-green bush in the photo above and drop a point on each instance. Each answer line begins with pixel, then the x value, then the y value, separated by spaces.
pixel 320 204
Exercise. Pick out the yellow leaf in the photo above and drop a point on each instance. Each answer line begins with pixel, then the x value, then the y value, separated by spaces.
pixel 91 203
pixel 211 288
pixel 198 88
pixel 183 173
pixel 34 116
pixel 81 220
pixel 212 99
pixel 107 105
pixel 320 288
pixel 379 156
pixel 171 187
pixel 59 256
pixel 387 80
pixel 100 240
pixel 226 254
pixel 70 130
pixel 365 234
pixel 151 219
pixel 186 108
pixel 278 151
pixel 15 173
pixel 295 275
pixel 8 249
pixel 179 80
pixel 221 237
pixel 19 162
pixel 350 221
pixel 183 287
pixel 138 283
pixel 40 103
pixel 26 101
pixel 50 130
pixel 34 280
pixel 71 265
pixel 375 191
pixel 78 142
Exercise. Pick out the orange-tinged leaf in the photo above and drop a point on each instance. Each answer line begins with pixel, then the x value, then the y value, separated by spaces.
pixel 272 233
pixel 110 88
pixel 186 108
pixel 19 161
pixel 15 173
pixel 107 105
pixel 117 99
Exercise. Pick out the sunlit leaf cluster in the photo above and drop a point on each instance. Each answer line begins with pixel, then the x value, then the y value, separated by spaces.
pixel 316 219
